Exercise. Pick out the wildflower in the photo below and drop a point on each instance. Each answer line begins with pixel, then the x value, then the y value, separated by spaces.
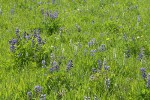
pixel 102 48
pixel 138 18
pixel 124 36
pixel 143 71
pixel 141 54
pixel 92 52
pixel 107 83
pixel 55 15
pixel 99 65
pixel 35 34
pixel 106 67
pixel 39 39
pixel 13 41
pixel 43 97
pixel 12 48
pixel 55 67
pixel 43 64
pixel 37 90
pixel 17 33
pixel 95 98
pixel 29 95
pixel 51 15
pixel 127 53
pixel 87 98
pixel 90 44
pixel 52 69
pixel 148 81
pixel 69 65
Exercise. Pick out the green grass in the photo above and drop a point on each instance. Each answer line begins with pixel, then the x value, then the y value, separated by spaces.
pixel 120 26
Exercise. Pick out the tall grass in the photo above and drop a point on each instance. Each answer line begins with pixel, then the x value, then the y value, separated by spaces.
pixel 74 49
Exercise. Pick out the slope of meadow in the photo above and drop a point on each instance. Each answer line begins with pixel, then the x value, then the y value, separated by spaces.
pixel 74 49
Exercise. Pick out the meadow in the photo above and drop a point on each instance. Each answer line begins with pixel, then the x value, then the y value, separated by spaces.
pixel 74 49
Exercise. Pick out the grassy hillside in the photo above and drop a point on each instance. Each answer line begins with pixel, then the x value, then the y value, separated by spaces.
pixel 74 49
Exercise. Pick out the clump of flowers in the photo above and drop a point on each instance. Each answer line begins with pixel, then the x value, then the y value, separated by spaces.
pixel 51 22
pixel 28 48
pixel 37 90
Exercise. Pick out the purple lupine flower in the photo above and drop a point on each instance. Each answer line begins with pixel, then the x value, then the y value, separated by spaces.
pixel 51 15
pixel 13 41
pixel 55 15
pixel 55 67
pixel 69 65
pixel 52 69
pixel 37 90
pixel 39 39
pixel 43 97
pixel 12 48
pixel 143 71
pixel 34 33
pixel 99 65
pixel 29 95
pixel 141 54
pixel 148 81
pixel 17 31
